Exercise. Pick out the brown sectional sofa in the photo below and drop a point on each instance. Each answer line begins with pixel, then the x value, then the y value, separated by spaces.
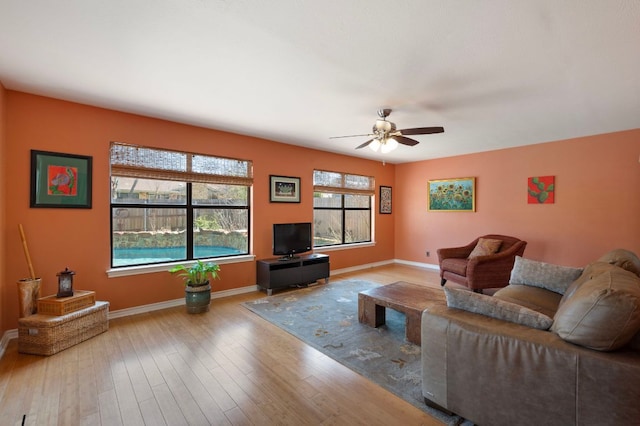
pixel 558 346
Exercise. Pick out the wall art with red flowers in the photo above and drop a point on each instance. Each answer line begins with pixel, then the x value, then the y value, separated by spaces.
pixel 60 180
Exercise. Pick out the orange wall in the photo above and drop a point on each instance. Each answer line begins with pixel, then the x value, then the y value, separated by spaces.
pixel 596 209
pixel 80 239
pixel 3 126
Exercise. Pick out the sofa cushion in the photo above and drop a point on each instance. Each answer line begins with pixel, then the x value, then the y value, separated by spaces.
pixel 552 277
pixel 490 306
pixel 623 258
pixel 455 265
pixel 603 313
pixel 485 247
pixel 536 298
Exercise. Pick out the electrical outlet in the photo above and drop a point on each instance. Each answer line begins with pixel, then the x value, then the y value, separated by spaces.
pixel 428 253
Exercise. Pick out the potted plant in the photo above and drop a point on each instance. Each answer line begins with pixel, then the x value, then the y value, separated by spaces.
pixel 197 290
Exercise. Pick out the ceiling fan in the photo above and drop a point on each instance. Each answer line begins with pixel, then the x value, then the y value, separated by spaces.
pixel 386 137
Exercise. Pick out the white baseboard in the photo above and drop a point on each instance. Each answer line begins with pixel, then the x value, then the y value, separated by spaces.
pixel 4 342
pixel 176 302
pixel 361 267
pixel 145 308
pixel 382 263
pixel 418 264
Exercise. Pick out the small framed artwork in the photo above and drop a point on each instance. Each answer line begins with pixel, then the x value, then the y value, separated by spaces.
pixel 60 180
pixel 541 190
pixel 452 195
pixel 385 200
pixel 284 189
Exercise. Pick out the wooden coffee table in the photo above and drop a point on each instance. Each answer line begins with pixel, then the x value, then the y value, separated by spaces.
pixel 411 299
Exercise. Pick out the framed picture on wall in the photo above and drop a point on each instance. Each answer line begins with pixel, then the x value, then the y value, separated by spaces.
pixel 452 195
pixel 60 180
pixel 284 189
pixel 541 189
pixel 385 199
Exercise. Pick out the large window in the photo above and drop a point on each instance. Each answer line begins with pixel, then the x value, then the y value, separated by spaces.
pixel 171 206
pixel 341 208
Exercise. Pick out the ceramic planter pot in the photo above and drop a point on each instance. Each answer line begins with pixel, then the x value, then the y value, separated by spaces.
pixel 197 298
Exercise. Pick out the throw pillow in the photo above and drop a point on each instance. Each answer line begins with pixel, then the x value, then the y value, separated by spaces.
pixel 495 308
pixel 484 247
pixel 623 258
pixel 603 313
pixel 552 277
pixel 590 272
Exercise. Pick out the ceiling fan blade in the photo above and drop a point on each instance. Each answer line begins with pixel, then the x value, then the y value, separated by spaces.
pixel 406 141
pixel 348 136
pixel 365 144
pixel 422 130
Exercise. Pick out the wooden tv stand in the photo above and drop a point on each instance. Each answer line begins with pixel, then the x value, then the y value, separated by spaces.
pixel 277 273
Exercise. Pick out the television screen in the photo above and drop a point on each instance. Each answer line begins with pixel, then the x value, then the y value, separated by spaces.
pixel 291 238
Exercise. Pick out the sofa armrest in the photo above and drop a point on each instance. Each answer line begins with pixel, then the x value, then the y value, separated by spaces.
pixel 496 372
pixel 459 346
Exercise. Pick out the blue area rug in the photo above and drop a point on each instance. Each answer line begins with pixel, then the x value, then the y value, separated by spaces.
pixel 326 317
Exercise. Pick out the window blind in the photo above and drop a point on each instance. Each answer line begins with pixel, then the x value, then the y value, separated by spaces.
pixel 155 163
pixel 343 183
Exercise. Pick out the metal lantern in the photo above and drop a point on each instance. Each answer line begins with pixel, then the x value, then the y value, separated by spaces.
pixel 65 283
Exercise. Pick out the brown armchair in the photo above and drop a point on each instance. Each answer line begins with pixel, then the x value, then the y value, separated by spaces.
pixel 478 273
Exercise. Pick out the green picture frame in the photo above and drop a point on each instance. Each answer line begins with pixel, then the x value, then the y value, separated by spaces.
pixel 60 180
pixel 452 195
pixel 284 189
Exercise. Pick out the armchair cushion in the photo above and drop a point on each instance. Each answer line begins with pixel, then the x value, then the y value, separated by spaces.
pixel 552 277
pixel 603 313
pixel 455 265
pixel 496 308
pixel 484 247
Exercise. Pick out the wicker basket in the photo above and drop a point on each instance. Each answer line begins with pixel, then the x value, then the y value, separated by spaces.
pixel 46 335
pixel 52 305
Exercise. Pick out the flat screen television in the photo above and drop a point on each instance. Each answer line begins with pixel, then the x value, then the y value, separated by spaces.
pixel 290 239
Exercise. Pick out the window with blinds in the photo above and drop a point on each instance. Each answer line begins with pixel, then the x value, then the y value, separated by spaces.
pixel 169 205
pixel 342 208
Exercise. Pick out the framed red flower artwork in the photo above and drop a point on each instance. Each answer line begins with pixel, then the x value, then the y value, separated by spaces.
pixel 60 180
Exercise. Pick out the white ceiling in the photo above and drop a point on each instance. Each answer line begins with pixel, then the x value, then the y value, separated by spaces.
pixel 494 74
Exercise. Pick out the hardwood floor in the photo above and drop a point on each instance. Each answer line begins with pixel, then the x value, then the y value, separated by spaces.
pixel 227 367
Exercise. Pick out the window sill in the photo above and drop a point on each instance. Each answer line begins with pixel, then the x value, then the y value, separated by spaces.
pixel 164 267
pixel 343 247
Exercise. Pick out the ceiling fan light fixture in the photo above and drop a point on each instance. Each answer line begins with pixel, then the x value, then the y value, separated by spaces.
pixel 385 137
pixel 388 145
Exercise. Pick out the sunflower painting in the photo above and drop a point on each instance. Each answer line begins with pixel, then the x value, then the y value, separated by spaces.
pixel 452 195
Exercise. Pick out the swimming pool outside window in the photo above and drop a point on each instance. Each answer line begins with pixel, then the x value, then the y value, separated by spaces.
pixel 169 206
